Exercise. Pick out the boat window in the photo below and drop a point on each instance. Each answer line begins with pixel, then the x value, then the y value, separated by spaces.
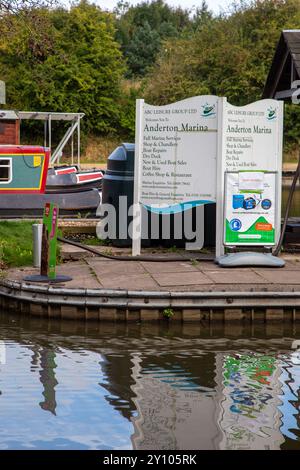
pixel 5 170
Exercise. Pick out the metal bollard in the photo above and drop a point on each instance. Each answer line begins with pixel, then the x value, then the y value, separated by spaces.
pixel 37 233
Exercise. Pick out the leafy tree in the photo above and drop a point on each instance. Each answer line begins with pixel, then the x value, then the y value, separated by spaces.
pixel 78 68
pixel 20 9
pixel 75 60
pixel 228 55
pixel 142 28
pixel 142 49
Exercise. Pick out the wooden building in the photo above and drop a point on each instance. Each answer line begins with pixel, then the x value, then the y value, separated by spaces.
pixel 285 68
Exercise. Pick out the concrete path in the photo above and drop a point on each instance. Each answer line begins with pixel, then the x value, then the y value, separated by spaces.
pixel 93 272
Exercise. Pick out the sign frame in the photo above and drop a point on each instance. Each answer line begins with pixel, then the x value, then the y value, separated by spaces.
pixel 221 167
pixel 171 125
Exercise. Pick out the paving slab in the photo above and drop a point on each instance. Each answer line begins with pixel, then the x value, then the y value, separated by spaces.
pixel 181 279
pixel 107 267
pixel 280 276
pixel 81 273
pixel 211 266
pixel 233 276
pixel 291 265
pixel 70 252
pixel 165 267
pixel 128 281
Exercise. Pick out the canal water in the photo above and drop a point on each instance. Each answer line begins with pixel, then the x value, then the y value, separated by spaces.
pixel 295 207
pixel 76 386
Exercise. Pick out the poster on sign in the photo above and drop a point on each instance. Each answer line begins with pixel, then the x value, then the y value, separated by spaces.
pixel 250 216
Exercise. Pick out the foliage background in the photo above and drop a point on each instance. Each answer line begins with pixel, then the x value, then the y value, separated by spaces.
pixel 98 62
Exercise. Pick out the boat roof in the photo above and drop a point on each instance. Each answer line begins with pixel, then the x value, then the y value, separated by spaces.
pixel 22 149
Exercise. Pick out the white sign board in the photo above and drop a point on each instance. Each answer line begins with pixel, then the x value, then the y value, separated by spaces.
pixel 250 140
pixel 175 156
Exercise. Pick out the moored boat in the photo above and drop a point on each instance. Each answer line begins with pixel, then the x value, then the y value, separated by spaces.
pixel 23 188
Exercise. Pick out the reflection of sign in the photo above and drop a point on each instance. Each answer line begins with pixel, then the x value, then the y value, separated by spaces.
pixel 249 417
pixel 2 353
pixel 50 220
pixel 249 215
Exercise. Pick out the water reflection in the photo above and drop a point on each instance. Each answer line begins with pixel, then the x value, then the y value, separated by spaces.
pixel 290 398
pixel 249 400
pixel 75 386
pixel 48 379
pixel 295 207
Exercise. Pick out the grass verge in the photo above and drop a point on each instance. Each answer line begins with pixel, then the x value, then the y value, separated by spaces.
pixel 15 243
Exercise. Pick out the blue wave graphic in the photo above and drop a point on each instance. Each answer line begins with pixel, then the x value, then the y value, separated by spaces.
pixel 182 206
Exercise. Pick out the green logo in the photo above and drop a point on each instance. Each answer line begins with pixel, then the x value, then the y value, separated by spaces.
pixel 208 110
pixel 271 114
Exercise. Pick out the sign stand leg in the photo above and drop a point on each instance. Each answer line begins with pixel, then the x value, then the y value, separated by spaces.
pixel 137 222
pixel 249 258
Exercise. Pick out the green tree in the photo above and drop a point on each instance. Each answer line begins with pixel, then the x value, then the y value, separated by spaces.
pixel 228 55
pixel 78 68
pixel 142 28
pixel 142 49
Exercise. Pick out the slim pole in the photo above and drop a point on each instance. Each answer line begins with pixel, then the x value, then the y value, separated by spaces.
pixel 78 148
pixel 72 149
pixel 137 222
pixel 50 133
pixel 45 133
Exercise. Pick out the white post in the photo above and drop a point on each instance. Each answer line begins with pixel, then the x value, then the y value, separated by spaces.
pixel 78 146
pixel 45 133
pixel 72 149
pixel 137 219
pixel 220 181
pixel 279 172
pixel 50 136
pixel 37 233
pixel 2 92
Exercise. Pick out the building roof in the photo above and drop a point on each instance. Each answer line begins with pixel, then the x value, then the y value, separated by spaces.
pixel 285 67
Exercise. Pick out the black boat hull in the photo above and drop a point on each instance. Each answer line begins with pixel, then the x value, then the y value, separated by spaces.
pixel 70 203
